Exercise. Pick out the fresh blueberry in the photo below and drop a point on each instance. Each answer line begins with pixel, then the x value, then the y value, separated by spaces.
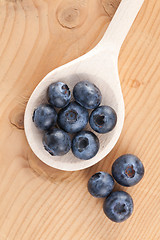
pixel 103 119
pixel 100 184
pixel 87 94
pixel 118 206
pixel 85 145
pixel 57 142
pixel 58 94
pixel 127 170
pixel 73 118
pixel 44 117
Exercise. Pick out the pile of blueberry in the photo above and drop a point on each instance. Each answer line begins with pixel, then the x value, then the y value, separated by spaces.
pixel 127 170
pixel 72 118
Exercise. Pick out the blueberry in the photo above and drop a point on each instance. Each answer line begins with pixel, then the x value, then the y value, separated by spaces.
pixel 73 118
pixel 127 170
pixel 118 206
pixel 85 145
pixel 44 117
pixel 100 184
pixel 103 119
pixel 58 94
pixel 57 142
pixel 87 94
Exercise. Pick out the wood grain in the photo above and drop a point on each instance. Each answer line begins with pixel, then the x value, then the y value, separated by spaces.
pixel 40 203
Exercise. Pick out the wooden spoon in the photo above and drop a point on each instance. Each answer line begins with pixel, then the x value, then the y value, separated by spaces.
pixel 99 66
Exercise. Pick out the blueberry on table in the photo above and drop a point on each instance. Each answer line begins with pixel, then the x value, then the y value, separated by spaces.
pixel 57 142
pixel 87 94
pixel 127 170
pixel 59 94
pixel 103 119
pixel 100 184
pixel 85 145
pixel 73 118
pixel 44 117
pixel 118 206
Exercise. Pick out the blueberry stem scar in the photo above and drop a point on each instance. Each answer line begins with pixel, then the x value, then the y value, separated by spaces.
pixel 130 172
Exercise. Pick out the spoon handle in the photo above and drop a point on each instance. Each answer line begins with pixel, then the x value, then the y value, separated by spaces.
pixel 120 24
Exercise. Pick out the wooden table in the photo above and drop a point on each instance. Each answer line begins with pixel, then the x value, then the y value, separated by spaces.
pixel 40 203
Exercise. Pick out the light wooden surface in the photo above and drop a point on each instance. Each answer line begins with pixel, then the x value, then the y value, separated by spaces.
pixel 41 203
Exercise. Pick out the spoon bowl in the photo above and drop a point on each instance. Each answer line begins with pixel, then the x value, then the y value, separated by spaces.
pixel 98 66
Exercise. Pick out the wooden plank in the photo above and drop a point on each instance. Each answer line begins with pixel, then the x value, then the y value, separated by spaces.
pixel 41 203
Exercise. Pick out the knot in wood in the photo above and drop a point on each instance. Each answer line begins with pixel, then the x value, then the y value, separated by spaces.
pixel 135 83
pixel 110 6
pixel 69 17
pixel 17 118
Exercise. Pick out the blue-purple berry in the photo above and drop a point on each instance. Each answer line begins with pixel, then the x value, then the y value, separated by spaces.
pixel 128 170
pixel 59 94
pixel 73 118
pixel 103 119
pixel 85 145
pixel 118 206
pixel 57 142
pixel 87 94
pixel 44 117
pixel 100 184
